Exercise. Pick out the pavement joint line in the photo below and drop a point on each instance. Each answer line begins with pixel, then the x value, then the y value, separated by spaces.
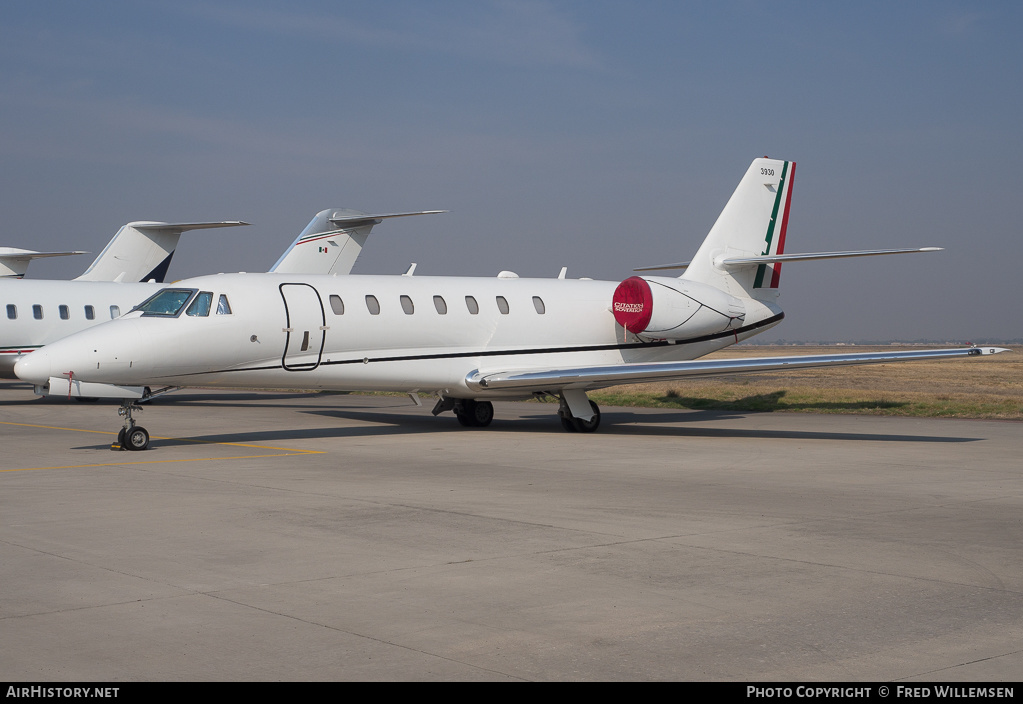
pixel 284 451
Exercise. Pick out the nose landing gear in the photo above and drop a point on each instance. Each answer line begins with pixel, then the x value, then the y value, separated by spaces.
pixel 131 436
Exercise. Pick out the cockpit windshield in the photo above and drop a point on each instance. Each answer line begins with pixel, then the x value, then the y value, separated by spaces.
pixel 168 302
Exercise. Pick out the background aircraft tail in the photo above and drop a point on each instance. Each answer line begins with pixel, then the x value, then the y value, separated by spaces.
pixel 142 251
pixel 332 241
pixel 14 262
pixel 753 223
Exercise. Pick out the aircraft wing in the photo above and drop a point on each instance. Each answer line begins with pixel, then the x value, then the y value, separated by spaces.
pixel 599 377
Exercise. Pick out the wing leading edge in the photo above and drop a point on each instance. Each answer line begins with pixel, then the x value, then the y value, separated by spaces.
pixel 598 377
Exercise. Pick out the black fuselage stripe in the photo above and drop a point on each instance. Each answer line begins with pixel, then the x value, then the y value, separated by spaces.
pixel 511 353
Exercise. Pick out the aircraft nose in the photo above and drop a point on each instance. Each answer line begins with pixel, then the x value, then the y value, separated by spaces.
pixel 35 367
pixel 113 352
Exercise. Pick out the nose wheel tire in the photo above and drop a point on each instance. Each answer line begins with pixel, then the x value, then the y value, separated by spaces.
pixel 135 439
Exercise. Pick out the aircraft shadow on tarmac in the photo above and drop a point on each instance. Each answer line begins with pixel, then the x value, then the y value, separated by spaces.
pixel 626 423
pixel 382 421
pixel 772 402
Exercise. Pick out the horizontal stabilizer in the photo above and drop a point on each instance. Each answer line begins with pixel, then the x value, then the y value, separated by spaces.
pixel 665 267
pixel 752 261
pixel 731 262
pixel 352 219
pixel 185 226
pixel 14 261
pixel 599 377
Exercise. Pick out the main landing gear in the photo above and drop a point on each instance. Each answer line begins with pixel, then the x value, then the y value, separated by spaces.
pixel 474 414
pixel 479 414
pixel 579 425
pixel 131 436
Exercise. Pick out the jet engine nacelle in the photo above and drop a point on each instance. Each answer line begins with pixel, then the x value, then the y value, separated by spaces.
pixel 663 308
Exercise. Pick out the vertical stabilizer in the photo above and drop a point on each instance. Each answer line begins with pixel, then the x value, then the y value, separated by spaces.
pixel 142 251
pixel 753 223
pixel 332 241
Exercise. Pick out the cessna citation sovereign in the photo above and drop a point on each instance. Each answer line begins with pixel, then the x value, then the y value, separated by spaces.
pixel 469 340
pixel 35 312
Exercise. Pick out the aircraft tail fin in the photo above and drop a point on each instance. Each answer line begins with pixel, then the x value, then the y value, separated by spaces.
pixel 752 224
pixel 332 241
pixel 14 262
pixel 142 251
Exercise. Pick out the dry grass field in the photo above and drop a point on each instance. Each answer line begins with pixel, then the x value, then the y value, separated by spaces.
pixel 987 387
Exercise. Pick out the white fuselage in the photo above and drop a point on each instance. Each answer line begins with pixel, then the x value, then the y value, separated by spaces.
pixel 34 312
pixel 430 332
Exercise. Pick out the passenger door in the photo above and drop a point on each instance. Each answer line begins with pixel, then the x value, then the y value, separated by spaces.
pixel 305 327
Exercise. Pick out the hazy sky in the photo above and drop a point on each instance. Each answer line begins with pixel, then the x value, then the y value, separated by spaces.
pixel 597 135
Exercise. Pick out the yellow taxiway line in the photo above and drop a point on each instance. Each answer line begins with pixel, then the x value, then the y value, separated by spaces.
pixel 280 451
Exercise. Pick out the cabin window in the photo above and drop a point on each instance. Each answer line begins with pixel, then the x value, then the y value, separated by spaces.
pixel 502 305
pixel 201 305
pixel 90 313
pixel 373 304
pixel 406 305
pixel 65 312
pixel 12 311
pixel 440 305
pixel 115 312
pixel 336 304
pixel 223 307
pixel 168 302
pixel 37 312
pixel 538 304
pixel 472 305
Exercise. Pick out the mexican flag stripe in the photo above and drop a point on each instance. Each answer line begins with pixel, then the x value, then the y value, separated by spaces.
pixel 769 237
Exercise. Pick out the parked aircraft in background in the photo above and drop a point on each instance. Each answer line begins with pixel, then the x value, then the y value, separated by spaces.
pixel 139 251
pixel 142 251
pixel 14 261
pixel 35 312
pixel 332 241
pixel 469 340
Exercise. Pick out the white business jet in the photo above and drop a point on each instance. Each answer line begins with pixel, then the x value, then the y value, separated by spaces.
pixel 469 340
pixel 36 312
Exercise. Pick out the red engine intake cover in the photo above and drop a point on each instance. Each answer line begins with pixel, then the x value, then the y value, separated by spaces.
pixel 633 304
